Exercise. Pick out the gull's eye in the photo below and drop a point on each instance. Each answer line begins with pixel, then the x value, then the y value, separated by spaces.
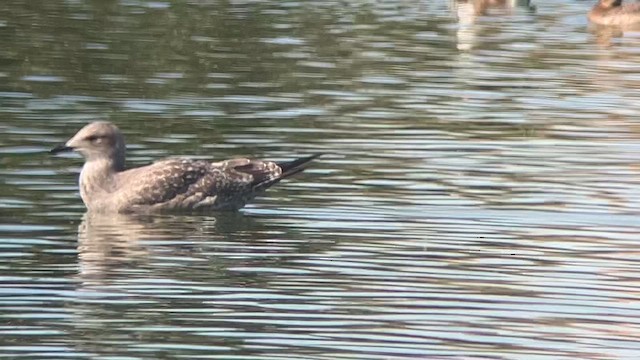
pixel 95 139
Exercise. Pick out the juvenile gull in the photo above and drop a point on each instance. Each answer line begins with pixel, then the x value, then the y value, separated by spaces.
pixel 615 13
pixel 172 184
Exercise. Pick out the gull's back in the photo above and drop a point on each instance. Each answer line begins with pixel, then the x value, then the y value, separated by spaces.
pixel 614 13
pixel 183 184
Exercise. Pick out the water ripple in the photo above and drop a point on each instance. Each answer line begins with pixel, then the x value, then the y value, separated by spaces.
pixel 478 197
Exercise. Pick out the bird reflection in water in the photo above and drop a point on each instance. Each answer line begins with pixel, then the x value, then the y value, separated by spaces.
pixel 139 266
pixel 481 7
pixel 117 244
pixel 467 11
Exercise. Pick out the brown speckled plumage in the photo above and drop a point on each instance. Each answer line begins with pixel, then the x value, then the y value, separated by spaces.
pixel 615 13
pixel 174 184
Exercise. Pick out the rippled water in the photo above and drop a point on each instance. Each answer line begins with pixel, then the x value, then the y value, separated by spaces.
pixel 479 199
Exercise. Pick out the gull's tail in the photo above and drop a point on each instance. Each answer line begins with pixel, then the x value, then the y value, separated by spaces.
pixel 295 166
pixel 267 173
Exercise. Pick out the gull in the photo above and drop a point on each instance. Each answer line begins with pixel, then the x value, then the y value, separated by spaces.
pixel 171 184
pixel 615 13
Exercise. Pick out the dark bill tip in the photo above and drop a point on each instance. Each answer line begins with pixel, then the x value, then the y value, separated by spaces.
pixel 60 148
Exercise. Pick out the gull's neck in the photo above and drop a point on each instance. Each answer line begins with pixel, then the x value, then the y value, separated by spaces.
pixel 97 180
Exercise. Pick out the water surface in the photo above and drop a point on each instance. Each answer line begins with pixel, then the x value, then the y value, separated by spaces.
pixel 479 199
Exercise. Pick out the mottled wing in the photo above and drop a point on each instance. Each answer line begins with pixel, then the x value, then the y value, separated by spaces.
pixel 251 173
pixel 243 179
pixel 183 184
pixel 168 184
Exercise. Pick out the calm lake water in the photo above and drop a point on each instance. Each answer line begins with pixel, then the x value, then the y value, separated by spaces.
pixel 479 199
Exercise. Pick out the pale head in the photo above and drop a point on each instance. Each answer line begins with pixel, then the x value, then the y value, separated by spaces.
pixel 100 140
pixel 610 3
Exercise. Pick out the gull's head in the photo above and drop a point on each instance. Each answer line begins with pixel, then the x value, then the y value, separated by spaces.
pixel 610 3
pixel 97 140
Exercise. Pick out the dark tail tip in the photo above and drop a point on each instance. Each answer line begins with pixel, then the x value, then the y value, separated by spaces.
pixel 295 166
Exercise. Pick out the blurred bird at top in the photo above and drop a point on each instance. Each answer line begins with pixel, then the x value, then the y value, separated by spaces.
pixel 615 13
pixel 467 11
pixel 480 7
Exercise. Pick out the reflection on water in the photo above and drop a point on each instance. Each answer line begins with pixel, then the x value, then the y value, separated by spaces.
pixel 108 243
pixel 455 282
pixel 479 201
pixel 469 11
